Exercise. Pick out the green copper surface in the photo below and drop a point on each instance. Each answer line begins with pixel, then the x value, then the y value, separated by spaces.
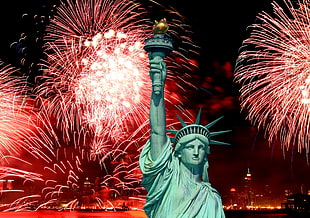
pixel 175 172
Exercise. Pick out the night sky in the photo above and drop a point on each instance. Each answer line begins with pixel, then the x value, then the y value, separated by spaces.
pixel 219 28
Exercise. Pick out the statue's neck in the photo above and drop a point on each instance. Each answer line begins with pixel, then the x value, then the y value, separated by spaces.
pixel 194 173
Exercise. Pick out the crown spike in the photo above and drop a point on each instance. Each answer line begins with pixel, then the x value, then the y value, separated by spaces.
pixel 213 122
pixel 213 142
pixel 198 117
pixel 181 120
pixel 219 132
pixel 172 131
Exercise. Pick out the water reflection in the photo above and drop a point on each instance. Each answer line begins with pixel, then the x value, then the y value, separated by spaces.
pixel 73 214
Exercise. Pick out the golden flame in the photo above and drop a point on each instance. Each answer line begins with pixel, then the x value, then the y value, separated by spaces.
pixel 160 27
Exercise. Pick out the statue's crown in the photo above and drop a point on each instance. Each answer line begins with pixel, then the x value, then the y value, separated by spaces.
pixel 196 128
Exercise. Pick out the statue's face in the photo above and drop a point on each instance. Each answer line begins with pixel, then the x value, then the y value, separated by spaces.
pixel 193 153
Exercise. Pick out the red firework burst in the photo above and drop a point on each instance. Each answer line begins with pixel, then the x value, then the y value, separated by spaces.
pixel 97 70
pixel 273 69
pixel 93 102
pixel 14 111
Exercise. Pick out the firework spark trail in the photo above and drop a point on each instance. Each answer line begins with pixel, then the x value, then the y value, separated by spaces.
pixel 76 122
pixel 14 111
pixel 55 180
pixel 274 71
pixel 60 175
pixel 97 81
pixel 97 69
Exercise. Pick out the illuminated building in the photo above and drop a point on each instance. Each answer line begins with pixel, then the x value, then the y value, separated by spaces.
pixel 299 202
pixel 6 184
pixel 248 177
pixel 87 191
pixel 249 197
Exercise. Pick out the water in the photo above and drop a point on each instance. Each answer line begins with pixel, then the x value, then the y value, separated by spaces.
pixel 122 214
pixel 73 214
pixel 263 214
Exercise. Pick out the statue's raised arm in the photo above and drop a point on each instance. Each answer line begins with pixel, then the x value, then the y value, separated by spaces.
pixel 157 106
pixel 158 47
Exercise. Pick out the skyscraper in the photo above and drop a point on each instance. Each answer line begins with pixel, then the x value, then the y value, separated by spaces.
pixel 249 196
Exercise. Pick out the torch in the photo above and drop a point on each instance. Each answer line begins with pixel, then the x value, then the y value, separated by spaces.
pixel 158 47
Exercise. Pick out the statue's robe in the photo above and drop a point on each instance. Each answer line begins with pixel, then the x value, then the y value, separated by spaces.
pixel 171 193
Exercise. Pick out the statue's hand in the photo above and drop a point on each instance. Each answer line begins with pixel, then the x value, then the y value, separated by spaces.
pixel 158 73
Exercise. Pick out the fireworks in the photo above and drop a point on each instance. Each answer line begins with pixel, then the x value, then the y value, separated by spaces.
pixel 97 76
pixel 64 179
pixel 96 82
pixel 13 111
pixel 273 69
pixel 91 104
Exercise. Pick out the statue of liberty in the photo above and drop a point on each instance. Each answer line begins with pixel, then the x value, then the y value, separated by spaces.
pixel 175 169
